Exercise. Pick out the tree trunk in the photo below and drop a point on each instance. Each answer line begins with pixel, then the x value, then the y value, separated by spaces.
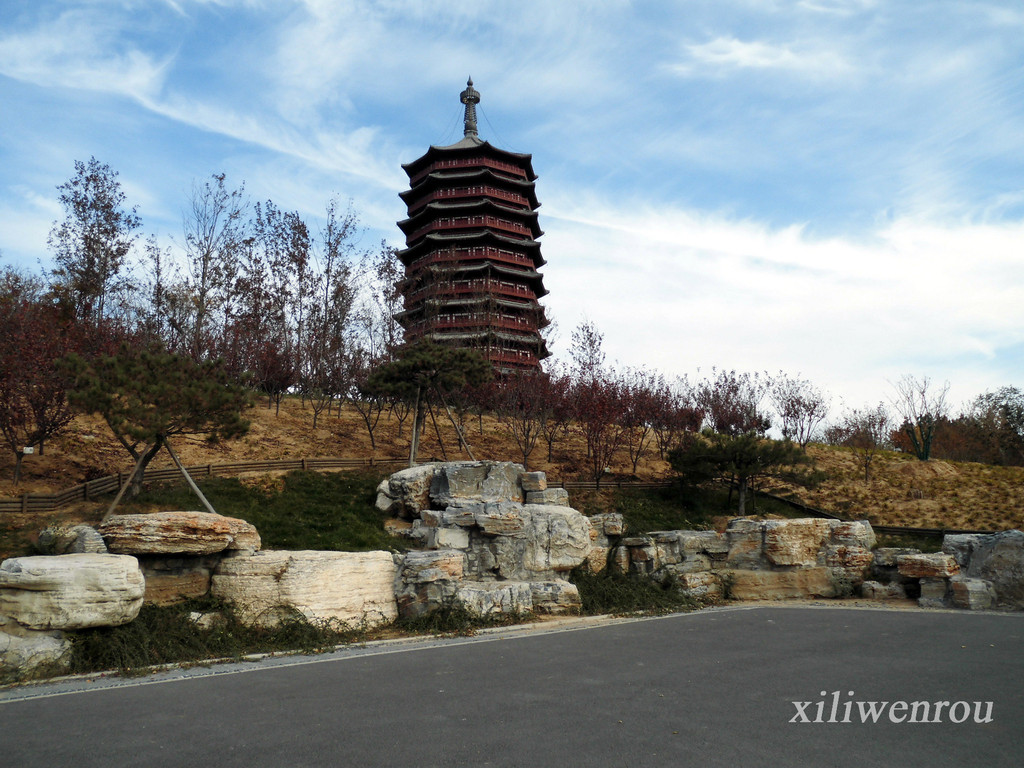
pixel 417 425
pixel 18 458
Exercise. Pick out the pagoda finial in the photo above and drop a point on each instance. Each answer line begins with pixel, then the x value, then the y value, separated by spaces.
pixel 470 97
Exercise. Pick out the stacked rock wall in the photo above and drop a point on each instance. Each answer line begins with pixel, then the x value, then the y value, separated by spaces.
pixel 755 559
pixel 492 538
pixel 495 538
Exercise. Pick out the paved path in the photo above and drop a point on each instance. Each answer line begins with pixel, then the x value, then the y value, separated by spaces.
pixel 708 689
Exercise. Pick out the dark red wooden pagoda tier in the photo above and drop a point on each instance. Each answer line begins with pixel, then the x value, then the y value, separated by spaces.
pixel 472 255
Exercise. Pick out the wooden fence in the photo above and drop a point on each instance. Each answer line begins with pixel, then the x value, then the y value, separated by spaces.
pixel 50 502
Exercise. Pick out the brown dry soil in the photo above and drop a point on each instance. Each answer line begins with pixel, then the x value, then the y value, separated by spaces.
pixel 902 491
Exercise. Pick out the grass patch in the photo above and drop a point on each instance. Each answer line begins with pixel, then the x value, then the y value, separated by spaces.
pixel 907 540
pixel 617 594
pixel 673 508
pixel 167 635
pixel 297 511
pixel 452 618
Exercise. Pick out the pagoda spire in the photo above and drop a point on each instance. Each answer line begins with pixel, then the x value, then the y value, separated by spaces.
pixel 470 97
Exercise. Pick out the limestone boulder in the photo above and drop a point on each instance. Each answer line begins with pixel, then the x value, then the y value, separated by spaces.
pixel 493 598
pixel 876 590
pixel 853 533
pixel 71 591
pixel 934 592
pixel 502 518
pixel 933 566
pixel 407 492
pixel 550 496
pixel 454 483
pixel 782 585
pixel 746 543
pixel 795 542
pixel 422 566
pixel 26 650
pixel 555 597
pixel 703 585
pixel 533 481
pixel 172 579
pixel 608 523
pixel 558 539
pixel 355 588
pixel 194 533
pixel 997 558
pixel 69 540
pixel 972 594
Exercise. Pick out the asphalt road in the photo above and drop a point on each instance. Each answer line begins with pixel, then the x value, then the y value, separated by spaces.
pixel 714 688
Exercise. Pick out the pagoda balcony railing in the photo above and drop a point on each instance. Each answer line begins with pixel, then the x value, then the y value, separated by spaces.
pixel 460 255
pixel 468 162
pixel 463 287
pixel 512 357
pixel 477 320
pixel 460 192
pixel 470 222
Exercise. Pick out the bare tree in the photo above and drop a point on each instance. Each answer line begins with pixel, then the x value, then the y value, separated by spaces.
pixel 731 402
pixel 800 406
pixel 921 406
pixel 675 414
pixel 866 431
pixel 214 226
pixel 94 240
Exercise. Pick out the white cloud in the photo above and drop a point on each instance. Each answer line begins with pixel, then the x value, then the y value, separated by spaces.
pixel 681 291
pixel 725 54
pixel 78 50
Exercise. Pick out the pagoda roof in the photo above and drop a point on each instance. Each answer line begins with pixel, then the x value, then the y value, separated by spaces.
pixel 471 145
pixel 440 179
pixel 413 222
pixel 439 241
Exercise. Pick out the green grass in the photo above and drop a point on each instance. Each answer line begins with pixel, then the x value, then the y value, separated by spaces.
pixel 310 510
pixel 673 507
pixel 166 635
pixel 617 594
pixel 909 540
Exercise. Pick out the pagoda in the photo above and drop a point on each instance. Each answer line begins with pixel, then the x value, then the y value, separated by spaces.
pixel 472 255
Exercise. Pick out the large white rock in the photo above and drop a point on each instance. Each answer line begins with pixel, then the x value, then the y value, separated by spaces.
pixel 356 588
pixel 795 542
pixel 24 650
pixel 457 482
pixel 71 591
pixel 558 538
pixel 997 558
pixel 494 598
pixel 193 533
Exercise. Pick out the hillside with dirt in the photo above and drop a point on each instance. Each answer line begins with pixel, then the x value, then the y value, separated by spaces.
pixel 902 491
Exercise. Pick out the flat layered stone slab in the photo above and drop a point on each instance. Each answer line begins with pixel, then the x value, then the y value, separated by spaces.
pixel 193 533
pixel 781 585
pixel 934 566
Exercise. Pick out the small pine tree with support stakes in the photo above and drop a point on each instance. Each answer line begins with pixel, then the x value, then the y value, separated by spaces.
pixel 423 370
pixel 147 396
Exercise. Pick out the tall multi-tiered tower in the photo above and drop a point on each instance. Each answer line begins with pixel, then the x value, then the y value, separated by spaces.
pixel 472 255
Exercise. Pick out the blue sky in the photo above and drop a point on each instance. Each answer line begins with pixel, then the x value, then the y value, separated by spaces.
pixel 834 188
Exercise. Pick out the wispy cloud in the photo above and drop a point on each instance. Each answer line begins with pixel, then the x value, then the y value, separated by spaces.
pixel 81 50
pixel 727 54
